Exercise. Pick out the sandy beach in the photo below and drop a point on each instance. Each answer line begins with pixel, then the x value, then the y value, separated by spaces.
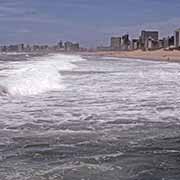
pixel 163 55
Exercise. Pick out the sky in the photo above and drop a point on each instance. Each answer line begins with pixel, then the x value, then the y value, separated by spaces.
pixel 90 22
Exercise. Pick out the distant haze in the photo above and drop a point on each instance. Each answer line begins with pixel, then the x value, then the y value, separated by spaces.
pixel 90 22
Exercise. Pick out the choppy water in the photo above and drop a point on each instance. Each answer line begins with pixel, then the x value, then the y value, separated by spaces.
pixel 73 118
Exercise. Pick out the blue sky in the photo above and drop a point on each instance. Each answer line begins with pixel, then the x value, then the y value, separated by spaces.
pixel 91 22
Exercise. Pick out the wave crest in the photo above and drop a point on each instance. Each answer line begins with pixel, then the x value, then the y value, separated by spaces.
pixel 39 75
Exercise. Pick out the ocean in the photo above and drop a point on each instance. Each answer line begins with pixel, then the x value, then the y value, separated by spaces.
pixel 72 117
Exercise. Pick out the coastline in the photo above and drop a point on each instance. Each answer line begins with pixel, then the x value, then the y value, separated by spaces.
pixel 157 55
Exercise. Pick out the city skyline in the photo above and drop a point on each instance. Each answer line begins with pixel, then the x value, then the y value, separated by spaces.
pixel 87 22
pixel 147 40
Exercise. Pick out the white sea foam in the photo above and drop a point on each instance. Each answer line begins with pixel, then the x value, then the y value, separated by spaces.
pixel 39 75
pixel 13 53
pixel 110 58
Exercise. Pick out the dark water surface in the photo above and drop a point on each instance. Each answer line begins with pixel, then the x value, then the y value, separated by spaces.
pixel 110 119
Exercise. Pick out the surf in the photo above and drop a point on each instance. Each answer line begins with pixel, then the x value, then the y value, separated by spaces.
pixel 38 75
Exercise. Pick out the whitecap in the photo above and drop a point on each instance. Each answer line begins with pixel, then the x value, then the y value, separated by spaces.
pixel 39 75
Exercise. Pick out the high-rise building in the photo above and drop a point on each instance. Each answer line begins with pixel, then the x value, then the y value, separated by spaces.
pixel 135 44
pixel 69 46
pixel 162 43
pixel 21 47
pixel 171 41
pixel 177 38
pixel 60 45
pixel 152 44
pixel 146 37
pixel 116 43
pixel 125 42
pixel 75 46
pixel 168 42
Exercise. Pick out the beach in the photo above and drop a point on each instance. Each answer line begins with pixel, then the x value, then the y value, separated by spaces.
pixel 161 54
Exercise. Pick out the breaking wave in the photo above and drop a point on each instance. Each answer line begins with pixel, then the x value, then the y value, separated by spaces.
pixel 39 75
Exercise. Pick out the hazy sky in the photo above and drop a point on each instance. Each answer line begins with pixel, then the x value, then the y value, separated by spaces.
pixel 91 22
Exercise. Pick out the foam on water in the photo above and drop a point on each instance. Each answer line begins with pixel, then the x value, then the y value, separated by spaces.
pixel 39 75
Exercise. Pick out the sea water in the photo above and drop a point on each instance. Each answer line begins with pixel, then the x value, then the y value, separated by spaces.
pixel 72 117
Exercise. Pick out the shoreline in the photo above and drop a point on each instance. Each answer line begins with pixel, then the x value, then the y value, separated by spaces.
pixel 157 55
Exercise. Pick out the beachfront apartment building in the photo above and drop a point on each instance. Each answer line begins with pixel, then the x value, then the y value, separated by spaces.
pixel 125 44
pixel 148 39
pixel 69 46
pixel 167 42
pixel 177 38
pixel 135 44
pixel 116 43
